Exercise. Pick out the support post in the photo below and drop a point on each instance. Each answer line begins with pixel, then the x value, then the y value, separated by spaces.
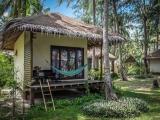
pixel 31 96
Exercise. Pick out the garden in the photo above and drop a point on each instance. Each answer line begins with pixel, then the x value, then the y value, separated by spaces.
pixel 104 59
pixel 137 101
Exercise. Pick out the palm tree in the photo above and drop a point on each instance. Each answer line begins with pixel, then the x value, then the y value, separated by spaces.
pixel 155 18
pixel 109 93
pixel 94 22
pixel 17 8
pixel 118 23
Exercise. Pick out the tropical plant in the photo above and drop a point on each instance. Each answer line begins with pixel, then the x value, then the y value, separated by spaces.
pixel 124 107
pixel 6 68
pixel 109 93
pixel 17 8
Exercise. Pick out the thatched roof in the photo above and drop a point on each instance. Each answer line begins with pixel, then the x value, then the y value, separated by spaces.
pixel 54 23
pixel 98 54
pixel 154 55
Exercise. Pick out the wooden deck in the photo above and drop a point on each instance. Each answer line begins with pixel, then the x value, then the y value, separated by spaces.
pixel 68 84
pixel 62 85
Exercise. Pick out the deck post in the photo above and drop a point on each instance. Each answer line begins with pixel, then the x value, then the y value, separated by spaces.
pixel 31 96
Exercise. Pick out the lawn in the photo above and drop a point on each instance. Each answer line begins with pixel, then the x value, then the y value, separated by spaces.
pixel 70 109
pixel 142 88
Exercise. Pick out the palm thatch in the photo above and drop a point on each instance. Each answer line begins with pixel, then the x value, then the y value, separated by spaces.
pixel 54 23
pixel 98 54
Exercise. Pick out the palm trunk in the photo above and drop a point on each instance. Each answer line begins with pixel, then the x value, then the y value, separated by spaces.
pixel 94 22
pixel 24 8
pixel 115 29
pixel 109 93
pixel 145 46
pixel 122 69
pixel 157 40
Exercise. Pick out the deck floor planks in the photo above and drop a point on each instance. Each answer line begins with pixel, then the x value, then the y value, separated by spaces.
pixel 64 84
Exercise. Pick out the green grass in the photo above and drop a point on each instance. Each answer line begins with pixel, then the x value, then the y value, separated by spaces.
pixel 70 109
pixel 65 109
pixel 142 88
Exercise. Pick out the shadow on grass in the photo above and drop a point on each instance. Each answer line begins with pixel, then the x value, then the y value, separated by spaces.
pixel 147 97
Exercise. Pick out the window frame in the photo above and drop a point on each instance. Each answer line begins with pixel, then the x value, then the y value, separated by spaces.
pixel 67 47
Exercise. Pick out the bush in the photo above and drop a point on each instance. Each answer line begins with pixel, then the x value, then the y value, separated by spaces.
pixel 141 105
pixel 94 74
pixel 6 70
pixel 134 69
pixel 114 76
pixel 124 107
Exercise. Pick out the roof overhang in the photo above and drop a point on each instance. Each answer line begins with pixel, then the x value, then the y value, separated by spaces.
pixel 55 24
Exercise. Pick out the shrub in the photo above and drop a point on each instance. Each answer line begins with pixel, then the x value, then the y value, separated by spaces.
pixel 134 69
pixel 124 107
pixel 141 105
pixel 6 70
pixel 114 76
pixel 94 74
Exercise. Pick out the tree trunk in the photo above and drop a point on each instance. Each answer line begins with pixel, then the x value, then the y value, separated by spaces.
pixel 24 8
pixel 109 93
pixel 93 58
pixel 145 46
pixel 94 22
pixel 115 28
pixel 157 40
pixel 122 69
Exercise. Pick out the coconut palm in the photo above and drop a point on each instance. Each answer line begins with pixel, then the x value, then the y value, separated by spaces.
pixel 109 93
pixel 94 22
pixel 16 8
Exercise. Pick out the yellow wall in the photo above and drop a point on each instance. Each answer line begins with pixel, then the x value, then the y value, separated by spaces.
pixel 42 48
pixel 19 58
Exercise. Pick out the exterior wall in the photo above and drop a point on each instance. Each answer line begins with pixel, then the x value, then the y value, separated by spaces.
pixel 155 65
pixel 19 58
pixel 42 48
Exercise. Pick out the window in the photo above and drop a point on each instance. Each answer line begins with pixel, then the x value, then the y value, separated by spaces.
pixel 67 58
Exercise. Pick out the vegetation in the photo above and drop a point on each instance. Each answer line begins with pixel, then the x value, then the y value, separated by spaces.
pixel 123 107
pixel 6 68
pixel 138 21
pixel 71 109
pixel 19 8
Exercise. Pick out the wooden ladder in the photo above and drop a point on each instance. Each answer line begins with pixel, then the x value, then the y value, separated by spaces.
pixel 45 95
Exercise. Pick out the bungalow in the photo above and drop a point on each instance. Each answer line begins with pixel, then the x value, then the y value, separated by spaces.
pixel 99 59
pixel 154 61
pixel 54 44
